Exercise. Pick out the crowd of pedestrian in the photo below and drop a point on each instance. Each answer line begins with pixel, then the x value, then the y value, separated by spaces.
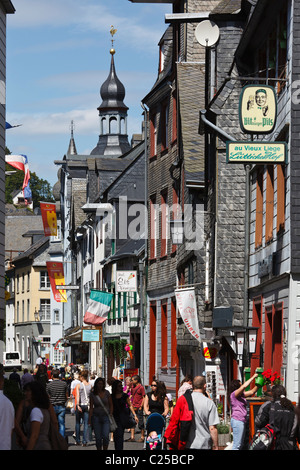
pixel 109 407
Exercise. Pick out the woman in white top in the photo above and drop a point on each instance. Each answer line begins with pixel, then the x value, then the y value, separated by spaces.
pixel 83 391
pixel 38 423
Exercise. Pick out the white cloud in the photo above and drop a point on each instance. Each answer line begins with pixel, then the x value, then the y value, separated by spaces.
pixel 132 21
pixel 55 123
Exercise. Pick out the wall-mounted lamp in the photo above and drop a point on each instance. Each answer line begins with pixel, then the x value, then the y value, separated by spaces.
pixel 252 338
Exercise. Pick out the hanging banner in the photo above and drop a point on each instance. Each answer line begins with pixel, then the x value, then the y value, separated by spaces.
pixel 48 211
pixel 186 303
pixel 56 276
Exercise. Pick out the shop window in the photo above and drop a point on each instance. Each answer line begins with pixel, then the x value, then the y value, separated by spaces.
pixel 259 208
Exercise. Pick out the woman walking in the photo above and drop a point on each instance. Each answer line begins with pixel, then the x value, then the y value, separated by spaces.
pixel 122 407
pixel 83 391
pixel 100 407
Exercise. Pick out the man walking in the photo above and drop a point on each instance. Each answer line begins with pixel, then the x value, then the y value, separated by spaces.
pixel 137 399
pixel 194 420
pixel 58 393
pixel 203 432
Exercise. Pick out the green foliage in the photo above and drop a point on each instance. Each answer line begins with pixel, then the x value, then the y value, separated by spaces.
pixel 117 346
pixel 223 428
pixel 40 188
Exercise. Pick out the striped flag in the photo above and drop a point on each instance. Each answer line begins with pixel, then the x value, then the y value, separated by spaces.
pixel 20 162
pixel 98 307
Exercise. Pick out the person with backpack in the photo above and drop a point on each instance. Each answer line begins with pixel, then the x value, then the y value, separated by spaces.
pixel 281 415
pixel 238 402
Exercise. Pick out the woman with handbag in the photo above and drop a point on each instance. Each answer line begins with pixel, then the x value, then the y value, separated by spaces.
pixel 124 413
pixel 83 391
pixel 101 410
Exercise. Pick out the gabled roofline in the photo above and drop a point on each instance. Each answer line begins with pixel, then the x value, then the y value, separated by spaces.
pixel 8 6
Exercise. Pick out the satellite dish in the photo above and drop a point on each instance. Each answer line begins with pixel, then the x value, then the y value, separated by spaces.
pixel 207 33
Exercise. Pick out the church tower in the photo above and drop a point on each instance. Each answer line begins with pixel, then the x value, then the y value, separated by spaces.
pixel 113 138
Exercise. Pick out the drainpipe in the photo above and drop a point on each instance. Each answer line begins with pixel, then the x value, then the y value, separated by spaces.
pixel 141 262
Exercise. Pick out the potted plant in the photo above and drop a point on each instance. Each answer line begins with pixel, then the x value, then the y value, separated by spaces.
pixel 268 379
pixel 224 434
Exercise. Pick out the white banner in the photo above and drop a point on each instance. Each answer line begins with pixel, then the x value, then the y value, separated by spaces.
pixel 186 303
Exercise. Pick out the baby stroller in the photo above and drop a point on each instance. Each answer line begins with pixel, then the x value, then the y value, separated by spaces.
pixel 155 428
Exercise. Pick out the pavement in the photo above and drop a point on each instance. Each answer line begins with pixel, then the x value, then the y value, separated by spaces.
pixel 70 429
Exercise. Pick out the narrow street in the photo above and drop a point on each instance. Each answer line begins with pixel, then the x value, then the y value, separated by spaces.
pixel 70 428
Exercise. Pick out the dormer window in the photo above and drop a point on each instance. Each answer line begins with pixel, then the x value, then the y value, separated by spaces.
pixel 162 51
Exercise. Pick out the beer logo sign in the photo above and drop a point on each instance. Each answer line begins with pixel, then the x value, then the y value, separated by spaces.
pixel 258 109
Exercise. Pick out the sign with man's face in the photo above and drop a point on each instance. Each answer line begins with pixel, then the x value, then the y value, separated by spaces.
pixel 258 109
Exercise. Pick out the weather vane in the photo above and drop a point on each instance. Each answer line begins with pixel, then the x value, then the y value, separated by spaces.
pixel 112 32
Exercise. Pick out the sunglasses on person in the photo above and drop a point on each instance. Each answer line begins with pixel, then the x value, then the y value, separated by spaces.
pixel 153 385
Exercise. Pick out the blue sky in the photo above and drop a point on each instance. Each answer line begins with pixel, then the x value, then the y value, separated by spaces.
pixel 57 59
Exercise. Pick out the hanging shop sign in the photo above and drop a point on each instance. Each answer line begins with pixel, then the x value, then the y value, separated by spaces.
pixel 210 352
pixel 186 303
pixel 258 109
pixel 126 281
pixel 89 335
pixel 256 152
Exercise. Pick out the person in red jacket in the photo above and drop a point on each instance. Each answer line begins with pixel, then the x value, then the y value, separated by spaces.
pixel 193 424
pixel 177 432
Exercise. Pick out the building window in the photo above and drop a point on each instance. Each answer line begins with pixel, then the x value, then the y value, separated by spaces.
pixel 273 337
pixel 259 208
pixel 164 334
pixel 28 281
pixel 153 135
pixel 152 343
pixel 174 355
pixel 281 194
pixel 269 203
pixel 164 120
pixel 23 282
pixel 174 118
pixel 45 310
pixel 56 315
pixel 161 57
pixel 164 223
pixel 153 228
pixel 28 309
pixel 44 280
pixel 272 56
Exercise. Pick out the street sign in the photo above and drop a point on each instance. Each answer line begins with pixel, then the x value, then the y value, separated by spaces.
pixel 257 109
pixel 256 152
pixel 67 287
